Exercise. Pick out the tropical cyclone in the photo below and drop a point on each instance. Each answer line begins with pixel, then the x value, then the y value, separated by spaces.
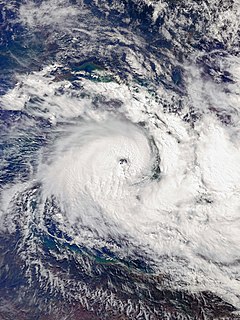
pixel 99 167
pixel 101 174
pixel 101 181
pixel 121 164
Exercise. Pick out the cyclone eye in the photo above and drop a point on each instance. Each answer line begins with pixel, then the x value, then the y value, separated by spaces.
pixel 123 161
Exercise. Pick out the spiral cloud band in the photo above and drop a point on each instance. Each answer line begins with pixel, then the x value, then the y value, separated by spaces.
pixel 142 178
pixel 101 173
